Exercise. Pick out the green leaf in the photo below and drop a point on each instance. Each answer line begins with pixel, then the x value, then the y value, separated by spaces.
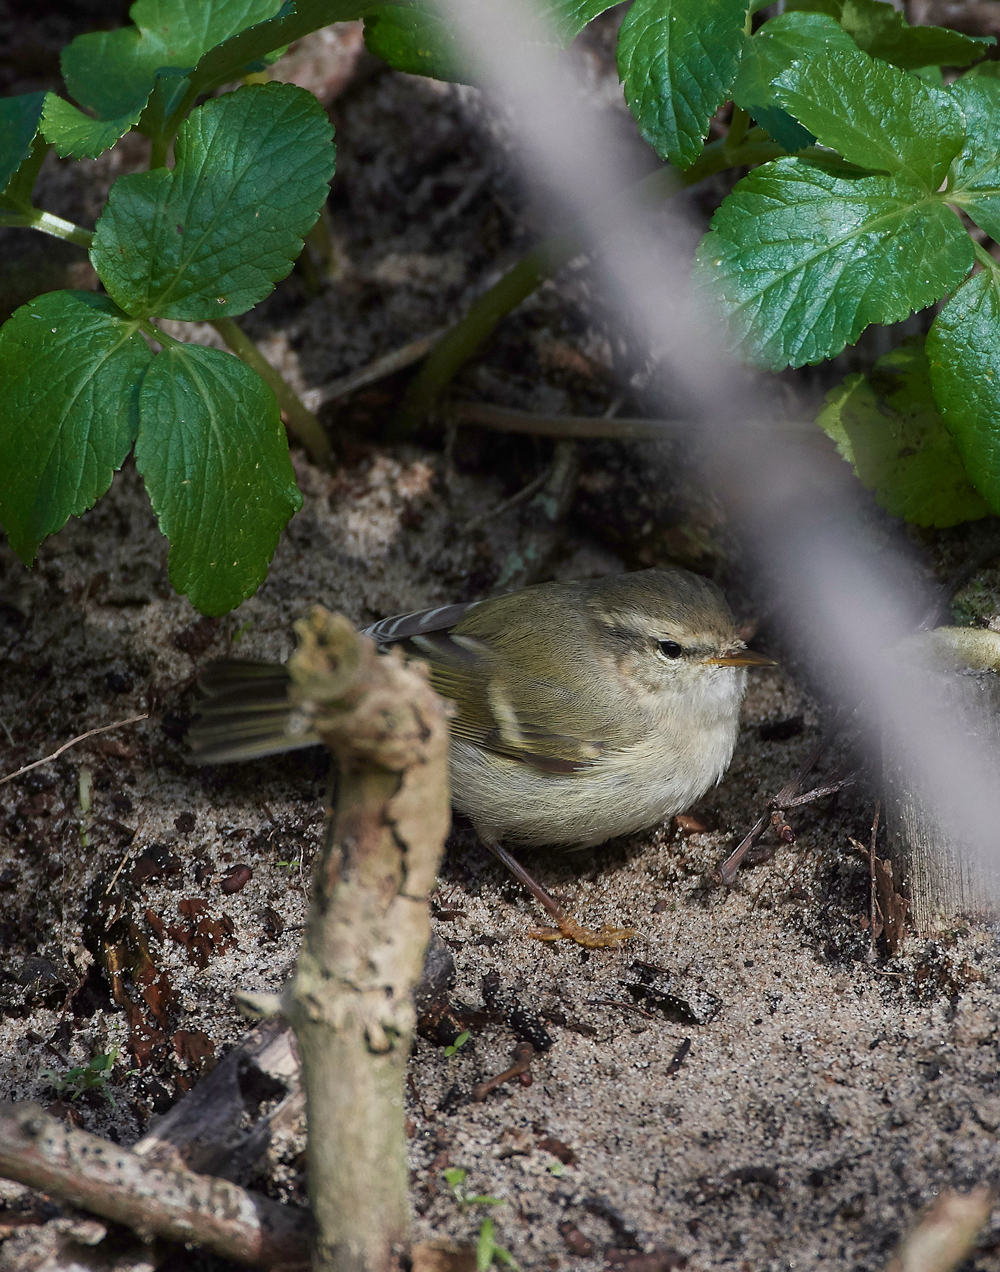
pixel 778 44
pixel 801 260
pixel 76 135
pixel 485 1246
pixel 214 456
pixel 963 349
pixel 975 174
pixel 292 21
pixel 19 118
pixel 71 365
pixel 112 73
pixel 785 130
pixel 678 60
pixel 892 432
pixel 875 115
pixel 568 17
pixel 212 237
pixel 882 31
pixel 417 41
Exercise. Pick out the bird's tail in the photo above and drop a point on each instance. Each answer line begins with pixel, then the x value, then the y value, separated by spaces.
pixel 245 713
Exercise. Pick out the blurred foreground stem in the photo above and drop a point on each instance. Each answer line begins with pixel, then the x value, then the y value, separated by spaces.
pixel 351 999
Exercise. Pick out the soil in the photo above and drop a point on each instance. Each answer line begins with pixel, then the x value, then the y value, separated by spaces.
pixel 792 1098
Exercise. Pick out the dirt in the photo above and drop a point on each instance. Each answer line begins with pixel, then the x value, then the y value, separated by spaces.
pixel 794 1096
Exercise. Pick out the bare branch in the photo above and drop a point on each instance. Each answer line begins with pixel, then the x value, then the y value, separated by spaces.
pixel 351 1000
pixel 89 1172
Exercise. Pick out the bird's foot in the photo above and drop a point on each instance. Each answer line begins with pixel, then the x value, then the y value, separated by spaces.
pixel 568 928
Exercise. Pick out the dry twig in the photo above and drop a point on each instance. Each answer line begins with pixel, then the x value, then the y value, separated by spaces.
pixel 118 724
pixel 727 872
pixel 179 1205
pixel 388 364
pixel 504 419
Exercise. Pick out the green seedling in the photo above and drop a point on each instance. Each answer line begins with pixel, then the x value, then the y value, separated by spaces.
pixel 861 161
pixel 455 1179
pixel 488 1252
pixel 460 1041
pixel 92 1076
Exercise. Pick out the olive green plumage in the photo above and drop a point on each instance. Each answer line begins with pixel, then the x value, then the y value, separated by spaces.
pixel 584 709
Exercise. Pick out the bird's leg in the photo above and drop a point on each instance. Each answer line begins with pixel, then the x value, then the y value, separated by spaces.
pixel 566 926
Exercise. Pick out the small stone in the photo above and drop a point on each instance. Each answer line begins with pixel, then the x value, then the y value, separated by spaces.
pixel 514 1142
pixel 237 879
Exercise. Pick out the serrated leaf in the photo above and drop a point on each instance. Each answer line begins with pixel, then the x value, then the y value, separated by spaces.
pixel 292 21
pixel 211 237
pixel 883 32
pixel 71 365
pixel 892 432
pixel 874 114
pixel 963 350
pixel 213 453
pixel 568 17
pixel 19 118
pixel 112 73
pixel 677 60
pixel 801 260
pixel 778 44
pixel 75 135
pixel 975 174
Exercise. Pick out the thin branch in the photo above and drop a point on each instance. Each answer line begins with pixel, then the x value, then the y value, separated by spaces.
pixel 503 419
pixel 179 1205
pixel 118 724
pixel 727 872
pixel 388 364
pixel 875 909
pixel 817 792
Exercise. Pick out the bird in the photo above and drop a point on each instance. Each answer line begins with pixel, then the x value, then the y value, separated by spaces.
pixel 585 709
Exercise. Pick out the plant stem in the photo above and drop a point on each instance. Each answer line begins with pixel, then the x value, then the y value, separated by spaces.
pixel 299 420
pixel 465 339
pixel 738 126
pixel 47 223
pixel 159 149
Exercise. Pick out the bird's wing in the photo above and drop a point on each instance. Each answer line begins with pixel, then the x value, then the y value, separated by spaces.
pixel 471 650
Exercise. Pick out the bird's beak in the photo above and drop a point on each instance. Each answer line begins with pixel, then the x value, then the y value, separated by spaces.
pixel 741 658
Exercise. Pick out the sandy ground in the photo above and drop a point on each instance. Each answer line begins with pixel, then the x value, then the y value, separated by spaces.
pixel 814 1094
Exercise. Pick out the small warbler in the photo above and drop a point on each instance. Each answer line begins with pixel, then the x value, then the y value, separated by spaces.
pixel 585 710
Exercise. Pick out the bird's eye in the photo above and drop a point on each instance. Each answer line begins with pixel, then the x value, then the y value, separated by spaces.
pixel 670 649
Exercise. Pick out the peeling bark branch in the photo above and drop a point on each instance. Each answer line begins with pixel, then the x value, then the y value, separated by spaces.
pixel 351 1000
pixel 117 1184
